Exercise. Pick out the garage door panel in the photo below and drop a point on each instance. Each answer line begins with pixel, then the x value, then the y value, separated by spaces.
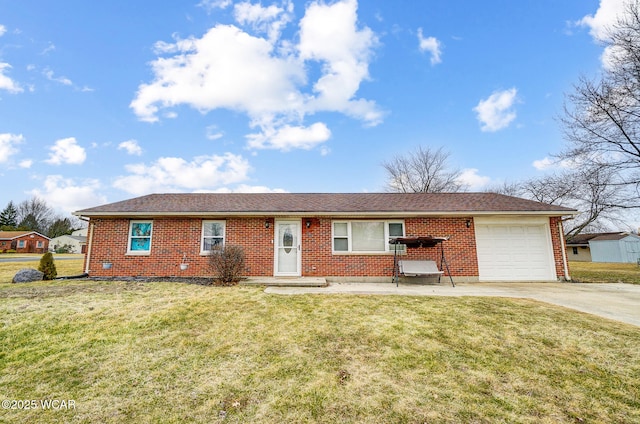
pixel 514 252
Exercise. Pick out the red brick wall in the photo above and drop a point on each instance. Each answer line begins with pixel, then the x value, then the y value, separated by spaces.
pixel 172 240
pixel 173 237
pixel 557 245
pixel 460 251
pixel 30 244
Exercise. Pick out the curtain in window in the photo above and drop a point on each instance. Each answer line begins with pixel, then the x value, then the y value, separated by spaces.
pixel 368 236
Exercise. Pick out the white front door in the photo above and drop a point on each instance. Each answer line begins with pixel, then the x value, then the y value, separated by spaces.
pixel 287 248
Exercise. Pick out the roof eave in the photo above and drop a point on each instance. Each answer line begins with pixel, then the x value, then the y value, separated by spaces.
pixel 390 214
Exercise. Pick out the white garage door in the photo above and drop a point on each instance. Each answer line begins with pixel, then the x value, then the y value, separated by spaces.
pixel 514 251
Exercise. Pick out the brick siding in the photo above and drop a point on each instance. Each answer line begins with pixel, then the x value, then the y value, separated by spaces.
pixel 30 244
pixel 173 238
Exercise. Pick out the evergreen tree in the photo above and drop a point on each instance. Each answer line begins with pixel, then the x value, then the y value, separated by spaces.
pixel 48 267
pixel 60 227
pixel 9 217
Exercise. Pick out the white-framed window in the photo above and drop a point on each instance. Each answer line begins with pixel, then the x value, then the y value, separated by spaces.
pixel 365 236
pixel 39 244
pixel 140 237
pixel 21 244
pixel 212 235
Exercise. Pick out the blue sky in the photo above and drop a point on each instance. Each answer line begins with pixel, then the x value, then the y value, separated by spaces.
pixel 103 101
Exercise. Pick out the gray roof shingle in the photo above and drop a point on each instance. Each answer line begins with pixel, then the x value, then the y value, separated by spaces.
pixel 321 204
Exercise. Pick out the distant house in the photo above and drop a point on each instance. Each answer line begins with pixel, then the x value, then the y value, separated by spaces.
pixel 23 242
pixel 75 243
pixel 490 237
pixel 604 247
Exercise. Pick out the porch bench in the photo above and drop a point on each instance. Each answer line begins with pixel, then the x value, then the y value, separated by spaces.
pixel 419 269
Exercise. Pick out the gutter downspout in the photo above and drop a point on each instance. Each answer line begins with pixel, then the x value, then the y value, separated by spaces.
pixel 565 266
pixel 89 246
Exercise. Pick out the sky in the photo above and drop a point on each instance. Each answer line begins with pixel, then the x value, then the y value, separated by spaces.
pixel 105 101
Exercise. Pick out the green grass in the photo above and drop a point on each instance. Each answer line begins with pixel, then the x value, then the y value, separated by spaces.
pixel 171 352
pixel 597 272
pixel 66 267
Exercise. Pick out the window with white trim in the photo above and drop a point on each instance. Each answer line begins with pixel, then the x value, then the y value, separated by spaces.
pixel 39 244
pixel 21 244
pixel 365 236
pixel 212 235
pixel 140 237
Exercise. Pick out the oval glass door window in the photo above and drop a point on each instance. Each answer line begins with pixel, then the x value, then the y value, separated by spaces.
pixel 287 239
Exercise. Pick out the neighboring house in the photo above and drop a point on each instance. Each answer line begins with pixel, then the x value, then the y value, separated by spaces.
pixel 82 232
pixel 74 243
pixel 604 247
pixel 343 236
pixel 23 242
pixel 578 248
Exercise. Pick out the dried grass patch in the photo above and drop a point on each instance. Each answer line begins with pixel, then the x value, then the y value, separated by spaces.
pixel 172 352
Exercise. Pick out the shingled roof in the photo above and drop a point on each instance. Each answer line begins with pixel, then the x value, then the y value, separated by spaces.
pixel 11 235
pixel 584 239
pixel 319 204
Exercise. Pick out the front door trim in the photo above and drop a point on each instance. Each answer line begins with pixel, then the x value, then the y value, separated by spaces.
pixel 294 268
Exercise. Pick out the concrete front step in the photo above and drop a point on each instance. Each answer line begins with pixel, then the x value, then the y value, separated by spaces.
pixel 285 281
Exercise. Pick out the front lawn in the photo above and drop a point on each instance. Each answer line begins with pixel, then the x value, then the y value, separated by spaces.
pixel 70 265
pixel 600 272
pixel 173 352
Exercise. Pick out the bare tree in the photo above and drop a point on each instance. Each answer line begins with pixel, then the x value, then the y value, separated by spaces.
pixel 423 171
pixel 602 118
pixel 508 188
pixel 34 214
pixel 587 189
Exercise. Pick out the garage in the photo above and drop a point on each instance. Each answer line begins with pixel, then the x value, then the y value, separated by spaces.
pixel 515 249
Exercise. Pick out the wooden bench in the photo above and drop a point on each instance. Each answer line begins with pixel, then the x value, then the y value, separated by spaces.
pixel 419 269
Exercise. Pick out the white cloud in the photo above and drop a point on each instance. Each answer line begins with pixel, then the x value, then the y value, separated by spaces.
pixel 26 164
pixel 496 112
pixel 329 35
pixel 601 22
pixel 548 163
pixel 209 5
pixel 171 174
pixel 212 133
pixel 542 164
pixel 243 188
pixel 8 145
pixel 431 45
pixel 470 178
pixel 67 151
pixel 269 20
pixel 131 146
pixel 48 73
pixel 289 137
pixel 68 195
pixel 218 70
pixel 3 29
pixel 51 47
pixel 606 15
pixel 7 83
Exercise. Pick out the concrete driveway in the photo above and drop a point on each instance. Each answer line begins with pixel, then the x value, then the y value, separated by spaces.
pixel 619 302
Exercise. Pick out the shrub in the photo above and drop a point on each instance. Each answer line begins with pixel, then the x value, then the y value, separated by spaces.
pixel 65 248
pixel 48 267
pixel 227 264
